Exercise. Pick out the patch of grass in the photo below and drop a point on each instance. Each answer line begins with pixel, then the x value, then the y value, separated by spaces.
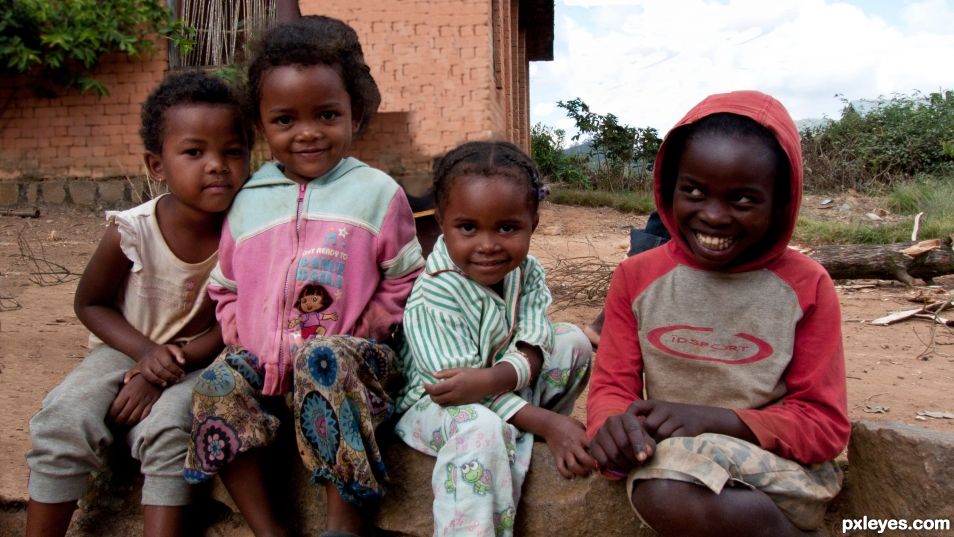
pixel 929 194
pixel 810 231
pixel 935 197
pixel 630 202
pixel 814 232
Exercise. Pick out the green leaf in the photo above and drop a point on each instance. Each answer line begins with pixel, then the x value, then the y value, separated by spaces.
pixel 68 37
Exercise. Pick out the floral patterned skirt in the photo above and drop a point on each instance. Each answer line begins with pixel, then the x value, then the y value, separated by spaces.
pixel 341 394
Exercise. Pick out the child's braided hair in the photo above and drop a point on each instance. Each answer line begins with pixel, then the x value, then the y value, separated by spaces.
pixel 317 40
pixel 485 159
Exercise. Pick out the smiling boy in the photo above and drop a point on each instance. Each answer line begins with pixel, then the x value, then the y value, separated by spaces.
pixel 720 379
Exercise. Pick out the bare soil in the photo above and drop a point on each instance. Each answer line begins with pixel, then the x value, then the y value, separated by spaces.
pixel 899 369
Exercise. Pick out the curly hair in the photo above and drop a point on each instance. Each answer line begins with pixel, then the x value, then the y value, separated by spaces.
pixel 316 40
pixel 484 159
pixel 185 88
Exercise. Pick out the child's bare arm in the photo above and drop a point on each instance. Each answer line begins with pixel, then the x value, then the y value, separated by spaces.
pixel 464 385
pixel 565 436
pixel 534 357
pixel 171 358
pixel 663 420
pixel 96 296
pixel 202 350
pixel 94 305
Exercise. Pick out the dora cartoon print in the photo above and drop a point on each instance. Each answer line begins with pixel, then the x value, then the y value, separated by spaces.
pixel 313 300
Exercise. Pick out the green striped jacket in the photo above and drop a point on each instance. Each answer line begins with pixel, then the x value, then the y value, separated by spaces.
pixel 453 321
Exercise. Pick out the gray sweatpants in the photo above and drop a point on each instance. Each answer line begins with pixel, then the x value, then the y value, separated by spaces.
pixel 70 431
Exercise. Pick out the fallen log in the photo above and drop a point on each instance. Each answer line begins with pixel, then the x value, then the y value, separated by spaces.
pixel 884 261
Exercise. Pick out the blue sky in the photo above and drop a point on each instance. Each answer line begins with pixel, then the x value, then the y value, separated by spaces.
pixel 649 61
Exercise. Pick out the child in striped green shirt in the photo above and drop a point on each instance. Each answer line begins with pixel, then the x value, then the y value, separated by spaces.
pixel 486 369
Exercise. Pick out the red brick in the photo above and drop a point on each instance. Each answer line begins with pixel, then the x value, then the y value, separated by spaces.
pixel 426 55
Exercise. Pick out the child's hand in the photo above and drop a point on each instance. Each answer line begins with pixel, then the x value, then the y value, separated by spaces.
pixel 566 438
pixel 133 402
pixel 622 443
pixel 460 385
pixel 663 419
pixel 161 366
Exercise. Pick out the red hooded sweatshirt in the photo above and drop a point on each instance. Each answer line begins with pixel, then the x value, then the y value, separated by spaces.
pixel 762 338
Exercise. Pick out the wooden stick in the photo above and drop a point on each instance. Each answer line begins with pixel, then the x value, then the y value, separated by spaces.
pixel 935 318
pixel 22 213
pixel 934 309
pixel 917 226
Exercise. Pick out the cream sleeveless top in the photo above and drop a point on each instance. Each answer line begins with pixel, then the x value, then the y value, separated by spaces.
pixel 162 293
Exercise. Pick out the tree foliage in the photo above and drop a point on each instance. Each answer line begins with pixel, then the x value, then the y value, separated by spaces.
pixel 622 155
pixel 61 41
pixel 547 146
pixel 898 139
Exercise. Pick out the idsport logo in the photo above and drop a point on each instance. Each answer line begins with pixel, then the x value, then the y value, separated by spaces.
pixel 702 343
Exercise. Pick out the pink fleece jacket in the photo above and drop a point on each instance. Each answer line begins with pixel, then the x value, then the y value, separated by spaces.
pixel 340 251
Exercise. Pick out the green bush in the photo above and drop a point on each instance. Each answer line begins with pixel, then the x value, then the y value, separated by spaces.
pixel 548 151
pixel 62 41
pixel 620 156
pixel 898 139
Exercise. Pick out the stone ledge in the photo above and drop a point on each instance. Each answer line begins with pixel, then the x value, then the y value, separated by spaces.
pixel 110 193
pixel 899 471
pixel 896 471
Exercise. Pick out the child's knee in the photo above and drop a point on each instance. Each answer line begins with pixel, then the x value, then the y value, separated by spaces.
pixel 327 355
pixel 653 501
pixel 162 437
pixel 570 342
pixel 73 411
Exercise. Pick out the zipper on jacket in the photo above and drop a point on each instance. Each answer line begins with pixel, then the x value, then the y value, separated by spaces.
pixel 291 272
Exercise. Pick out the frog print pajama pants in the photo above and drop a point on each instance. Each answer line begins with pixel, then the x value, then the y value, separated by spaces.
pixel 481 459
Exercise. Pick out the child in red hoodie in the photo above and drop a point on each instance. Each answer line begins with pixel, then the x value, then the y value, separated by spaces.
pixel 720 379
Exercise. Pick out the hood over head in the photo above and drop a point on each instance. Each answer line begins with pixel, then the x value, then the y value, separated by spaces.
pixel 768 112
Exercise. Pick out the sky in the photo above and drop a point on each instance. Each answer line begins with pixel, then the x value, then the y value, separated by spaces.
pixel 649 61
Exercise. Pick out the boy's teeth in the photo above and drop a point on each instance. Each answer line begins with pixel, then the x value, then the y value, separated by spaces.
pixel 713 243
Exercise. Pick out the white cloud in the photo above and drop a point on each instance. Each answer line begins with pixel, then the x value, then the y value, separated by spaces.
pixel 929 16
pixel 649 61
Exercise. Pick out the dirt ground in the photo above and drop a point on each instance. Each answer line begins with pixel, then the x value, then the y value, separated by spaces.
pixel 893 371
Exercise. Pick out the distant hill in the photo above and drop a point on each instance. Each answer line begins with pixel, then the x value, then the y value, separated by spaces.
pixel 582 148
pixel 812 123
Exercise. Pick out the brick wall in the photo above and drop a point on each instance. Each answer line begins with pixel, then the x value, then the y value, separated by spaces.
pixel 433 61
pixel 74 134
